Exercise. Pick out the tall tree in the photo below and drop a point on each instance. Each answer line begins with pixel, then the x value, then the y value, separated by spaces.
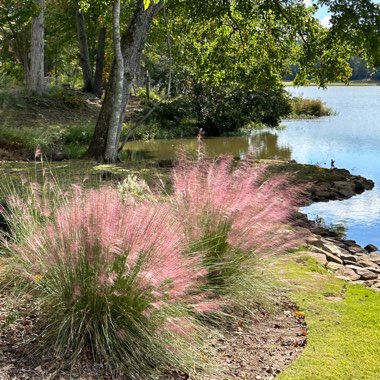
pixel 97 87
pixel 243 42
pixel 110 154
pixel 85 61
pixel 132 44
pixel 36 79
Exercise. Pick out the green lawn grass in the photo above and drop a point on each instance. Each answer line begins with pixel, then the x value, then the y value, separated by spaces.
pixel 343 323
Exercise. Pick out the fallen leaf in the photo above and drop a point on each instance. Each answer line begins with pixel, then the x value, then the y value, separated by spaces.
pixel 299 314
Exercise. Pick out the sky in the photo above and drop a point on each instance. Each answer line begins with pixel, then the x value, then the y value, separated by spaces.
pixel 323 14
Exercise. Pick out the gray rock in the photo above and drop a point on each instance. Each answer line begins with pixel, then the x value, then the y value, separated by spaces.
pixel 374 270
pixel 347 274
pixel 366 262
pixel 334 266
pixel 323 194
pixel 342 184
pixel 312 239
pixel 329 247
pixel 354 267
pixel 375 257
pixel 333 258
pixel 366 274
pixel 355 249
pixel 320 257
pixel 348 259
pixel 347 193
pixel 351 243
pixel 359 188
pixel 370 248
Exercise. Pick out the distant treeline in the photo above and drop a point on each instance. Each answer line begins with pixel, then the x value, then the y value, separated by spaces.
pixel 360 70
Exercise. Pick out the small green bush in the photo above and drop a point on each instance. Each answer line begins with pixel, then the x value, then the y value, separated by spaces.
pixel 218 111
pixel 302 108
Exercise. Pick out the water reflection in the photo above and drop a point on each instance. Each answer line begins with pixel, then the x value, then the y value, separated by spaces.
pixel 262 144
pixel 352 139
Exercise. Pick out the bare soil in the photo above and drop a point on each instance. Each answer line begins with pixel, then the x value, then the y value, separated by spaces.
pixel 254 347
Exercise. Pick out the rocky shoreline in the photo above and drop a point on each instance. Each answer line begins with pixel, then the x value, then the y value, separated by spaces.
pixel 346 186
pixel 347 259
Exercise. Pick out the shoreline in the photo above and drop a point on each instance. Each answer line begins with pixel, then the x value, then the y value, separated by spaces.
pixel 348 260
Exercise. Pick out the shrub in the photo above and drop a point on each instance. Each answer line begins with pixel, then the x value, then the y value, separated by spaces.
pixel 110 278
pixel 230 214
pixel 309 108
pixel 219 111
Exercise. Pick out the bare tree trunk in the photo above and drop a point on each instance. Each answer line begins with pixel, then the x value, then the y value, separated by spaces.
pixel 169 52
pixel 98 78
pixel 110 154
pixel 35 80
pixel 132 44
pixel 85 61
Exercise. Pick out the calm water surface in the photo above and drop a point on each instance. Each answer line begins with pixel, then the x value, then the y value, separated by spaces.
pixel 351 138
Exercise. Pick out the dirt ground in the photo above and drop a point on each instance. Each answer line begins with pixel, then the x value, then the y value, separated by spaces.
pixel 255 347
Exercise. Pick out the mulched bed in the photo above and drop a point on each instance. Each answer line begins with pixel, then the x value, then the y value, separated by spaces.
pixel 256 347
pixel 265 344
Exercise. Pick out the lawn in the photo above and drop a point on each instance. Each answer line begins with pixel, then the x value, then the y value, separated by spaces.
pixel 343 322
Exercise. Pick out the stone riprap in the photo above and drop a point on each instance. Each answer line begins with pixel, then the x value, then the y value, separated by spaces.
pixel 348 260
pixel 348 186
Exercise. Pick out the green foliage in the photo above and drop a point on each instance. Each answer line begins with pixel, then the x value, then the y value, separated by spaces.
pixel 306 108
pixel 72 139
pixel 133 187
pixel 59 98
pixel 223 261
pixel 153 96
pixel 356 23
pixel 219 110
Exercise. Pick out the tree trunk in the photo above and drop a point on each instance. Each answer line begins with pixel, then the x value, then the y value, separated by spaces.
pixel 85 61
pixel 132 44
pixel 110 154
pixel 35 80
pixel 169 52
pixel 98 78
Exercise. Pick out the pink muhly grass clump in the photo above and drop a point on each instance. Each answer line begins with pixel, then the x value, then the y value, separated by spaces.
pixel 229 211
pixel 98 226
pixel 108 271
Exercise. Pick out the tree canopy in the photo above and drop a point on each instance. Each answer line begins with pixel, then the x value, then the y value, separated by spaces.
pixel 249 45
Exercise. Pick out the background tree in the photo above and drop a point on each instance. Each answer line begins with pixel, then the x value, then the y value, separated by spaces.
pixel 15 36
pixel 92 41
pixel 36 78
pixel 110 154
pixel 132 44
pixel 244 43
pixel 85 62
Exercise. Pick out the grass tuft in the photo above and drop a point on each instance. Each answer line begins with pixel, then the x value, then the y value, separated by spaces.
pixel 308 108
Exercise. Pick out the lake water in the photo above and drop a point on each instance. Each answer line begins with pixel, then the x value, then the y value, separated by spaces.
pixel 351 138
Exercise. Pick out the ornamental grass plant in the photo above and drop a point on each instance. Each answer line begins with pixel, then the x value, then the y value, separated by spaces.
pixel 111 280
pixel 127 276
pixel 231 214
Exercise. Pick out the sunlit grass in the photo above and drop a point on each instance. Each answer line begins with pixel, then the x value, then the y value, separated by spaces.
pixel 343 322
